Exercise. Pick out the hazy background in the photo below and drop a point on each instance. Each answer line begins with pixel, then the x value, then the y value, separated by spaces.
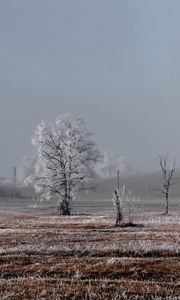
pixel 115 62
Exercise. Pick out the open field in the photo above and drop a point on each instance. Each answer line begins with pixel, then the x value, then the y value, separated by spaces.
pixel 44 256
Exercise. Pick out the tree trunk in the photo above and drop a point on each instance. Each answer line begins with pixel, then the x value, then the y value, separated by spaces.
pixel 166 204
pixel 64 207
pixel 119 218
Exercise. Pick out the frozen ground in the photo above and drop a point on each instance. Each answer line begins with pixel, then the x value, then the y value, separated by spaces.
pixel 44 256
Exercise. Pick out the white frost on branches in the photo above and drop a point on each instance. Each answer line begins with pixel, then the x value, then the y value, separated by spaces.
pixel 126 205
pixel 110 163
pixel 66 154
pixel 27 171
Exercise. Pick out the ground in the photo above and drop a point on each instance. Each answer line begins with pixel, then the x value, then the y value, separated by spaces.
pixel 44 256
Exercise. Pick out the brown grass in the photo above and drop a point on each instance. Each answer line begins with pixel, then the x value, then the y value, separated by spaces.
pixel 49 257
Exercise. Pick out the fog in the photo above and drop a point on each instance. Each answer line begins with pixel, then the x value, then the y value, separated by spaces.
pixel 114 62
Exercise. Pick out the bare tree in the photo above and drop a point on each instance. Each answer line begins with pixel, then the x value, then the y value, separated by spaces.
pixel 167 176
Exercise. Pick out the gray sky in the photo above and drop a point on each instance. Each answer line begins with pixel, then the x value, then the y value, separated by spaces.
pixel 115 62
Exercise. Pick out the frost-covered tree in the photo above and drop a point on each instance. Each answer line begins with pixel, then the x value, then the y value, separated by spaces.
pixel 26 173
pixel 110 163
pixel 66 154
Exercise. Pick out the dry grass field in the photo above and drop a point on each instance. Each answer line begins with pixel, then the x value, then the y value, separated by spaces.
pixel 44 256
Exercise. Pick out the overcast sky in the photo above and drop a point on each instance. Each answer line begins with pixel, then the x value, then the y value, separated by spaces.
pixel 115 62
